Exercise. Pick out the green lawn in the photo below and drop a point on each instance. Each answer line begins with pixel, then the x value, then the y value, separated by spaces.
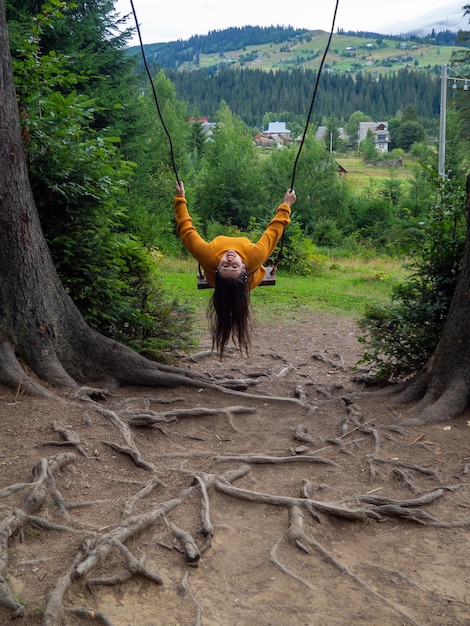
pixel 344 287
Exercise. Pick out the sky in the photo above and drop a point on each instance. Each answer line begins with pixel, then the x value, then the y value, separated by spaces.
pixel 180 19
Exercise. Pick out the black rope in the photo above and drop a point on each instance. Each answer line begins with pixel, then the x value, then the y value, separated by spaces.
pixel 280 255
pixel 155 93
pixel 314 93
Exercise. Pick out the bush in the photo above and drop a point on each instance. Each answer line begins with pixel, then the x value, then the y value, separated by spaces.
pixel 401 336
pixel 144 315
pixel 327 233
pixel 299 255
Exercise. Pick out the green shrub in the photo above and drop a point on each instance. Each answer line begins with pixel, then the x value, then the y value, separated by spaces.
pixel 144 315
pixel 299 255
pixel 402 335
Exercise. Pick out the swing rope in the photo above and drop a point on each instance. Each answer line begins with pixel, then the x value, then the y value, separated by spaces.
pixel 155 97
pixel 154 91
pixel 325 52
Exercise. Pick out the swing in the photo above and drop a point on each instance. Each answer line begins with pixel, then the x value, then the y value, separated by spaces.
pixel 268 281
pixel 270 278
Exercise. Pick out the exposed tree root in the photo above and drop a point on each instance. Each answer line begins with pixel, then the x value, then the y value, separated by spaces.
pixel 89 615
pixel 17 518
pixel 409 466
pixel 413 583
pixel 297 534
pixel 184 588
pixel 330 508
pixel 261 459
pixel 451 403
pixel 149 418
pixel 98 547
pixel 153 483
pixel 70 438
pixel 95 551
pixel 190 549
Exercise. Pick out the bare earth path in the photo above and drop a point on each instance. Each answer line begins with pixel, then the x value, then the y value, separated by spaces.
pixel 184 507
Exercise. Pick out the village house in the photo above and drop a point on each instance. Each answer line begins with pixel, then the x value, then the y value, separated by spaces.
pixel 276 136
pixel 321 133
pixel 380 131
pixel 207 127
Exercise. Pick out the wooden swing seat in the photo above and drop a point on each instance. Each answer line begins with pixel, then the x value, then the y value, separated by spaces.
pixel 268 281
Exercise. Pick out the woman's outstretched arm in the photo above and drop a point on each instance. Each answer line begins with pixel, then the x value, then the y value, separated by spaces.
pixel 269 239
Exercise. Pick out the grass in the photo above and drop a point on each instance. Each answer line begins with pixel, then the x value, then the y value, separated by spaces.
pixel 343 288
pixel 359 171
pixel 306 53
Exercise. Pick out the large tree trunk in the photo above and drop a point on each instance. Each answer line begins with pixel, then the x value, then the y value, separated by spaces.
pixel 42 334
pixel 443 385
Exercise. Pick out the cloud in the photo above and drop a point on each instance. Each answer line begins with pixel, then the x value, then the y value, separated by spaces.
pixel 445 18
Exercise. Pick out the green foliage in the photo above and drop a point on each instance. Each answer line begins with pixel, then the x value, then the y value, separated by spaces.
pixel 79 179
pixel 409 133
pixel 299 255
pixel 214 229
pixel 332 139
pixel 250 93
pixel 352 126
pixel 367 147
pixel 229 183
pixel 402 335
pixel 327 233
pixel 144 315
pixel 150 214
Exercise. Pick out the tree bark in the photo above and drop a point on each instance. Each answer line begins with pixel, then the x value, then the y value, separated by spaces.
pixel 42 334
pixel 443 384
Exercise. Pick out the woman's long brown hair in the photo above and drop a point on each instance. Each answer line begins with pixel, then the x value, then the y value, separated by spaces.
pixel 229 313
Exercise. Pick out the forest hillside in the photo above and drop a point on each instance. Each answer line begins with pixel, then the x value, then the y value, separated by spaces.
pixel 271 70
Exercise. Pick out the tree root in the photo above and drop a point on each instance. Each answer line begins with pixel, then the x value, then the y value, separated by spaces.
pixel 134 454
pixel 17 518
pixel 297 535
pixel 184 588
pixel 89 615
pixel 96 548
pixel 275 460
pixel 95 551
pixel 330 508
pixel 70 438
pixel 206 525
pixel 141 419
pixel 130 448
pixel 413 583
pixel 153 483
pixel 409 466
pixel 190 548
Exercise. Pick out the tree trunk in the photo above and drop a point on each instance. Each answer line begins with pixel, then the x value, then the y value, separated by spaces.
pixel 42 334
pixel 443 385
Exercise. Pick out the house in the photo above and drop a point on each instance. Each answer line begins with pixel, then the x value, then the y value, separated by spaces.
pixel 321 132
pixel 380 131
pixel 277 128
pixel 207 127
pixel 341 170
pixel 275 136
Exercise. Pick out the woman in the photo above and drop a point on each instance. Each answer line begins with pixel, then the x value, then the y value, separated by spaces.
pixel 233 266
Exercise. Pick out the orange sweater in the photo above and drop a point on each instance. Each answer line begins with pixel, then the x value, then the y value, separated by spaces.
pixel 209 254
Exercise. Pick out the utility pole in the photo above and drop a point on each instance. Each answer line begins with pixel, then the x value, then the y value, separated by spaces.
pixel 442 119
pixel 442 122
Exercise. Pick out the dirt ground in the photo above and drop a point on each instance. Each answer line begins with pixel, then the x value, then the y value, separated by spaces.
pixel 322 549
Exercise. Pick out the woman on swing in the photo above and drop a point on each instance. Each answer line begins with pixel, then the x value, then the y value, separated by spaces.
pixel 233 266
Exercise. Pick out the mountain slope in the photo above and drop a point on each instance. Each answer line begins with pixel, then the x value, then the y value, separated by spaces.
pixel 278 48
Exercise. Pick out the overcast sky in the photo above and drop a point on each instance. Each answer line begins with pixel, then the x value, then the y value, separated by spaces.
pixel 180 19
